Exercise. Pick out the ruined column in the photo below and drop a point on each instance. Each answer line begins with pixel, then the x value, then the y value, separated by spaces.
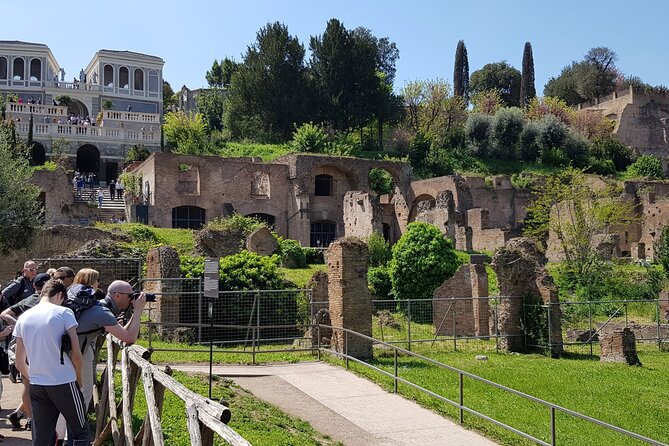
pixel 163 263
pixel 350 301
pixel 618 345
pixel 480 293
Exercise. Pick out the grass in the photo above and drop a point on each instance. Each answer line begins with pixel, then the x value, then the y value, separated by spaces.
pixel 260 423
pixel 268 152
pixel 301 276
pixel 145 237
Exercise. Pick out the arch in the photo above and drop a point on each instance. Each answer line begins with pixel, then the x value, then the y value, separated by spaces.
pixel 421 203
pixel 37 154
pixel 138 83
pixel 108 76
pixel 323 185
pixel 154 79
pixel 323 232
pixel 77 108
pixel 35 69
pixel 123 77
pixel 18 69
pixel 188 217
pixel 4 68
pixel 88 159
pixel 381 180
pixel 267 218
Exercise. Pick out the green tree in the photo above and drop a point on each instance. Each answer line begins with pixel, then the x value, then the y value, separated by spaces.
pixel 478 132
pixel 186 134
pixel 137 153
pixel 268 91
pixel 431 109
pixel 422 260
pixel 170 100
pixel 250 271
pixel 220 74
pixel 211 105
pixel 507 125
pixel 19 209
pixel 310 137
pixel 499 77
pixel 527 90
pixel 662 250
pixel 461 72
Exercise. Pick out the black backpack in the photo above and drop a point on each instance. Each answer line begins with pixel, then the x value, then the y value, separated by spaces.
pixel 78 300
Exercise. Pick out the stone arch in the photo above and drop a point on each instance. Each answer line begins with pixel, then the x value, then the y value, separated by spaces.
pixel 123 78
pixel 342 180
pixel 78 108
pixel 138 83
pixel 88 159
pixel 267 218
pixel 37 154
pixel 323 232
pixel 381 180
pixel 108 76
pixel 188 217
pixel 36 69
pixel 420 203
pixel 18 69
pixel 4 68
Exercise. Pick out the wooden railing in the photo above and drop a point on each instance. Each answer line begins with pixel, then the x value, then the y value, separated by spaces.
pixel 204 416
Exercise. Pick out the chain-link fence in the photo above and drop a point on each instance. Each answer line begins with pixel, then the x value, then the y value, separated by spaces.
pixel 110 269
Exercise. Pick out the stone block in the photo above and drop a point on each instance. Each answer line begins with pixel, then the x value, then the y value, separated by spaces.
pixel 262 242
pixel 618 345
pixel 164 263
pixel 638 251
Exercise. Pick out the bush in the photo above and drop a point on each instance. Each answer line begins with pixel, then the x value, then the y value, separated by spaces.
pixel 191 267
pixel 422 259
pixel 137 153
pixel 477 130
pixel 250 271
pixel 379 250
pixel 576 147
pixel 662 250
pixel 49 166
pixel 378 280
pixel 554 157
pixel 646 166
pixel 611 149
pixel 601 166
pixel 439 162
pixel 314 256
pixel 552 132
pixel 236 223
pixel 310 137
pixel 141 233
pixel 507 125
pixel 380 181
pixel 292 254
pixel 529 144
pixel 418 149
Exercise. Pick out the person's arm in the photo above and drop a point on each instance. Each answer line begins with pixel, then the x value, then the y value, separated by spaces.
pixel 20 362
pixel 8 316
pixel 130 332
pixel 75 354
pixel 7 331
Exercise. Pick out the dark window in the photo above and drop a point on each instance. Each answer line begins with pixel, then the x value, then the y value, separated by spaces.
pixel 386 231
pixel 323 233
pixel 323 185
pixel 187 217
pixel 3 68
pixel 267 218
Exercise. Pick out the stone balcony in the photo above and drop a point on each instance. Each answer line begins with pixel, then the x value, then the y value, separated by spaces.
pixel 89 133
pixel 57 87
pixel 144 118
pixel 36 109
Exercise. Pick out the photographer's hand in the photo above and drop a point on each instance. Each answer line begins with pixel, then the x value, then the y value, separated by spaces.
pixel 139 303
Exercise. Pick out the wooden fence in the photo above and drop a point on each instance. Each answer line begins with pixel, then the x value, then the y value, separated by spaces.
pixel 205 417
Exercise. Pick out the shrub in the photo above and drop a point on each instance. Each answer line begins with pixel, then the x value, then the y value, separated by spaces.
pixel 439 162
pixel 477 130
pixel 310 137
pixel 236 223
pixel 378 280
pixel 646 166
pixel 507 125
pixel 137 153
pixel 191 267
pixel 552 132
pixel 141 233
pixel 49 166
pixel 422 260
pixel 609 148
pixel 380 181
pixel 379 250
pixel 314 256
pixel 601 166
pixel 292 254
pixel 554 157
pixel 576 147
pixel 529 144
pixel 250 271
pixel 418 149
pixel 662 250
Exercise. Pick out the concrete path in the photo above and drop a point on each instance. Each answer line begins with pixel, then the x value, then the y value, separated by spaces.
pixel 348 408
pixel 11 397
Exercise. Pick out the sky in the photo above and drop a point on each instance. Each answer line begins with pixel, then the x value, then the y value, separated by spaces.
pixel 189 35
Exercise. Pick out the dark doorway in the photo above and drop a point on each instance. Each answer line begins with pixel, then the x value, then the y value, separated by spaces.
pixel 142 213
pixel 111 171
pixel 267 218
pixel 88 159
pixel 323 233
pixel 37 154
pixel 187 217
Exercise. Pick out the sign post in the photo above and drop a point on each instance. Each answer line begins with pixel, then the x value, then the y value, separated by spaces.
pixel 211 277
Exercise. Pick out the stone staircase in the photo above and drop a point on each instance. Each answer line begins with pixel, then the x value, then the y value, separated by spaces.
pixel 111 209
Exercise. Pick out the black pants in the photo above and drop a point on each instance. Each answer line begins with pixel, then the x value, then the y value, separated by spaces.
pixel 49 401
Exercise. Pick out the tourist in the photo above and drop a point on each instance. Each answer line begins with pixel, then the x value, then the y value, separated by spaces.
pixel 66 274
pixel 21 287
pixel 54 380
pixel 112 188
pixel 80 186
pixel 101 198
pixel 119 189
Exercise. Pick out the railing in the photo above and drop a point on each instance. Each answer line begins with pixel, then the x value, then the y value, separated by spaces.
pixel 88 132
pixel 37 109
pixel 150 118
pixel 553 409
pixel 205 417
pixel 85 86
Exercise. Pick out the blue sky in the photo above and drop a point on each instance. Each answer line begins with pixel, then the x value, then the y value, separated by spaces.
pixel 189 35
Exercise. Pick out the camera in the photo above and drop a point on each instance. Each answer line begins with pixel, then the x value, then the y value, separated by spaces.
pixel 150 297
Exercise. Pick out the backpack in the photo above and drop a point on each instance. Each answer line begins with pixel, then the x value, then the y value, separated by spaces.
pixel 78 300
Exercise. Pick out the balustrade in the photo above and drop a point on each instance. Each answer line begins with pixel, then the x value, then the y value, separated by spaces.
pixel 92 133
pixel 151 118
pixel 37 109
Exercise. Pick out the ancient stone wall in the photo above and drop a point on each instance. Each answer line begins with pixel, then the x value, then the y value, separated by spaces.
pixel 164 262
pixel 262 242
pixel 218 242
pixel 363 215
pixel 485 237
pixel 618 345
pixel 350 299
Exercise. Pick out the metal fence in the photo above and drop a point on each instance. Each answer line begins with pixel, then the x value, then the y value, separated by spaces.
pixel 110 269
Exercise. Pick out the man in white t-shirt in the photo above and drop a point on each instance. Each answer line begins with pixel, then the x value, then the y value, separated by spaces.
pixel 55 380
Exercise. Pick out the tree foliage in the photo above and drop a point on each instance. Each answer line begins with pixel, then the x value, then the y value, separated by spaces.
pixel 169 98
pixel 211 105
pixel 19 209
pixel 527 89
pixel 499 77
pixel 431 109
pixel 461 72
pixel 646 166
pixel 186 134
pixel 220 74
pixel 422 260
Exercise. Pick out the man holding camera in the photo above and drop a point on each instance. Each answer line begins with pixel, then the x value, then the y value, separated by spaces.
pixel 104 318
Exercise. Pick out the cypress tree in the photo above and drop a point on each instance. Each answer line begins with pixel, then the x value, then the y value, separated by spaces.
pixel 527 90
pixel 461 72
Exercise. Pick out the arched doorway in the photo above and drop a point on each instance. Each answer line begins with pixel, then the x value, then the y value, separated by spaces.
pixel 37 154
pixel 77 108
pixel 88 159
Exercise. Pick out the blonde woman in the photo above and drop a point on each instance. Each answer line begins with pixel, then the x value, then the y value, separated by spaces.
pixel 88 277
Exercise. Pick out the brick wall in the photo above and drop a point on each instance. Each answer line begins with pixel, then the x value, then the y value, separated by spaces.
pixel 163 262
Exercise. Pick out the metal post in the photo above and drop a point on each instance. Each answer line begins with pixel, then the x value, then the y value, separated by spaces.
pixel 455 338
pixel 590 326
pixel 318 341
pixel 462 398
pixel 550 337
pixel 396 371
pixel 409 323
pixel 211 341
pixel 199 310
pixel 257 325
pixel 497 324
pixel 253 344
pixel 553 439
pixel 346 348
pixel 657 318
pixel 625 305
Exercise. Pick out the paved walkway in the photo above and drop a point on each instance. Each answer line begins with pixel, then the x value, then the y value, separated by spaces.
pixel 350 409
pixel 11 396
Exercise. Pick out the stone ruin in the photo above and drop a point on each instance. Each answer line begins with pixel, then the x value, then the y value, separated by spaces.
pixel 522 277
pixel 618 345
pixel 460 306
pixel 320 304
pixel 218 242
pixel 262 242
pixel 164 262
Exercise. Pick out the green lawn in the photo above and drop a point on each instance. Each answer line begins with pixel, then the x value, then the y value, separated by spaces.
pixel 260 423
pixel 268 152
pixel 300 277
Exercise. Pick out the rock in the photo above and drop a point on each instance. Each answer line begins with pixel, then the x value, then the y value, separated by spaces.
pixel 218 242
pixel 262 242
pixel 481 358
